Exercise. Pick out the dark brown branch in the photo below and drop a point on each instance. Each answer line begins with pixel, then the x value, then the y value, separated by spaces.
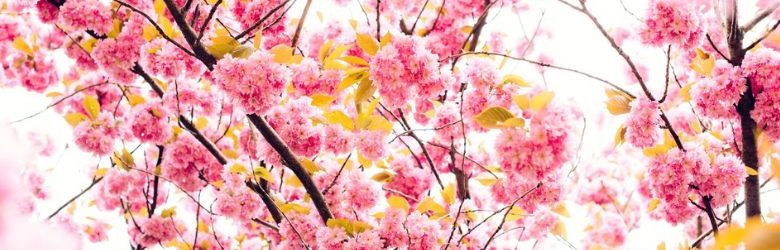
pixel 715 47
pixel 297 34
pixel 508 210
pixel 666 82
pixel 293 164
pixel 769 32
pixel 760 17
pixel 189 35
pixel 424 150
pixel 156 26
pixel 259 22
pixel 547 65
pixel 94 182
pixel 276 214
pixel 208 19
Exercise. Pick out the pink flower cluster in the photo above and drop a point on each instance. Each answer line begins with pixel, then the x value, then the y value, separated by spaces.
pixel 249 12
pixel 97 136
pixel 236 201
pixel 149 123
pixel 409 179
pixel 292 122
pixel 642 123
pixel 190 165
pixel 673 22
pixel 117 56
pixel 336 139
pixel 47 12
pixel 716 96
pixel 371 144
pixel 413 231
pixel 763 67
pixel 255 83
pixel 398 68
pixel 153 231
pixel 160 57
pixel 85 14
pixel 310 79
pixel 676 175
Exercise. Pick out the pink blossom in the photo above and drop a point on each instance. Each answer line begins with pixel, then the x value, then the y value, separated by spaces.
pixel 188 163
pixel 309 79
pixel 672 22
pixel 237 201
pixel 400 66
pixel 47 12
pixel 255 83
pixel 153 231
pixel 149 123
pixel 97 136
pixel 371 144
pixel 642 123
pixel 409 179
pixel 85 14
pixel 715 97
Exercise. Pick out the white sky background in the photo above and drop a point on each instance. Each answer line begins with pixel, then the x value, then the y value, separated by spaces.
pixel 576 43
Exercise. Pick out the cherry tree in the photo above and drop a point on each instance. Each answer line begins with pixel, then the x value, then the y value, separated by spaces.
pixel 253 124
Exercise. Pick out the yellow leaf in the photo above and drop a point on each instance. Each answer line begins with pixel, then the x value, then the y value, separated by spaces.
pixel 515 79
pixel 230 154
pixel 775 166
pixel 515 122
pixel 561 209
pixel 88 44
pixel 386 39
pixel 376 123
pixel 398 202
pixel 134 99
pixel 92 106
pixel 75 118
pixel 168 212
pixel 750 171
pixel 618 104
pixel 560 230
pixel 661 246
pixel 237 168
pixel 150 33
pixel 21 44
pixel 242 51
pixel 117 26
pixel 492 117
pixel 222 43
pixel 448 194
pixel 539 101
pixel 167 27
pixel 310 166
pixel 428 204
pixel 287 207
pixel 159 7
pixel 284 54
pixel 100 172
pixel 321 100
pixel 354 60
pixel 124 159
pixel 338 117
pixel 702 63
pixel 653 204
pixel 332 62
pixel 201 122
pixel 620 135
pixel 685 92
pixel 383 176
pixel 486 180
pixel 293 181
pixel 365 90
pixel 324 49
pixel 367 43
pixel 257 41
pixel 363 161
pixel 352 77
pixel 263 173
pixel 515 213
pixel 522 101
